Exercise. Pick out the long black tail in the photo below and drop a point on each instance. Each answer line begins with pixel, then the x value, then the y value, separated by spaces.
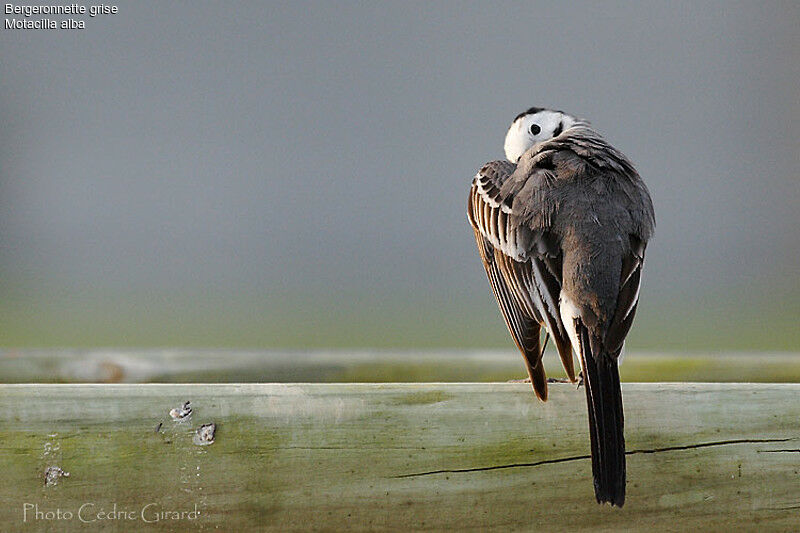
pixel 604 398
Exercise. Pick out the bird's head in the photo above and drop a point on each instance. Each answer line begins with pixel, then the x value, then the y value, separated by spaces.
pixel 535 126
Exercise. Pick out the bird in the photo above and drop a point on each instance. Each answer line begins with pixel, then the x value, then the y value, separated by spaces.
pixel 561 227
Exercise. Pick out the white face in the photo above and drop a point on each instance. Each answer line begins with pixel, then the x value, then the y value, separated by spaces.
pixel 534 129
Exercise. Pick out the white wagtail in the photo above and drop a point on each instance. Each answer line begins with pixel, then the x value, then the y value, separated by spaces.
pixel 562 228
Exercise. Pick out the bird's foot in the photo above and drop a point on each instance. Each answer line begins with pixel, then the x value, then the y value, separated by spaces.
pixel 526 380
pixel 557 380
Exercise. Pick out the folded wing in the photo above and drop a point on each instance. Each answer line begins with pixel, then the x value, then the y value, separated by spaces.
pixel 524 271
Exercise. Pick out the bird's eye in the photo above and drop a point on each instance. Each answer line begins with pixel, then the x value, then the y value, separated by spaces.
pixel 535 129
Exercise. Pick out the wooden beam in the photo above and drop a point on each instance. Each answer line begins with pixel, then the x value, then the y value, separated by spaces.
pixel 396 456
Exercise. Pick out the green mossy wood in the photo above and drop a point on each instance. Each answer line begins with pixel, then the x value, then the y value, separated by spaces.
pixel 365 457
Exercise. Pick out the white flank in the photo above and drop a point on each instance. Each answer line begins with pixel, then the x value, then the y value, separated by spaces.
pixel 569 312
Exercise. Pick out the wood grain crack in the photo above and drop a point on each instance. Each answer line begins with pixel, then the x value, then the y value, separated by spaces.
pixel 787 508
pixel 583 457
pixel 797 450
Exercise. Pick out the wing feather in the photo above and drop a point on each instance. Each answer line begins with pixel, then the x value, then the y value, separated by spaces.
pixel 492 235
pixel 548 287
pixel 628 297
pixel 526 287
pixel 524 269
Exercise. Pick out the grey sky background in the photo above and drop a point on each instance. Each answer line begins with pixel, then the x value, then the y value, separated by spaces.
pixel 325 150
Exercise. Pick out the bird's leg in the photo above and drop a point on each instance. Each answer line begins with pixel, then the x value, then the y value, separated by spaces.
pixel 580 379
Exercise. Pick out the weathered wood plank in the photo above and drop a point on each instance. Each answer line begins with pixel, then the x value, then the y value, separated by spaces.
pixel 206 366
pixel 399 456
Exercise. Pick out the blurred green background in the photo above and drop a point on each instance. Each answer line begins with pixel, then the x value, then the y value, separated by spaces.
pixel 746 319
